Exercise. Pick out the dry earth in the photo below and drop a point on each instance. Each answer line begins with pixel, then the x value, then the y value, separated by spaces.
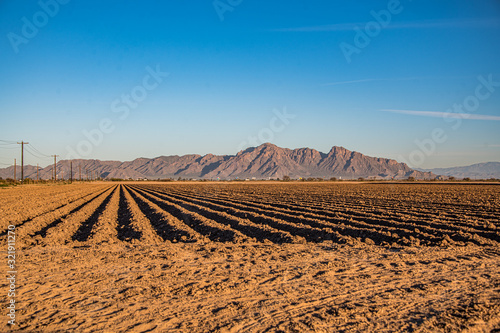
pixel 254 257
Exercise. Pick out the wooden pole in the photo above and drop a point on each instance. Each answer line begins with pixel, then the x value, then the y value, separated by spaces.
pixel 55 163
pixel 22 143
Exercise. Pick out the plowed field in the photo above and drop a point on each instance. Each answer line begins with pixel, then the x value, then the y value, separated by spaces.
pixel 254 257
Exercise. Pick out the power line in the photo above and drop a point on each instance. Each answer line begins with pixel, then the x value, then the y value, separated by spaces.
pixel 35 154
pixel 39 152
pixel 29 152
pixel 30 148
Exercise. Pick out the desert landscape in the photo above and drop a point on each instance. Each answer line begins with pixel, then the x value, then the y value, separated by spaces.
pixel 250 166
pixel 255 256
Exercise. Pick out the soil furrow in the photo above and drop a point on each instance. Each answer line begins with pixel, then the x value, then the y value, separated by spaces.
pixel 38 227
pixel 312 234
pixel 212 229
pixel 361 211
pixel 83 233
pixel 241 223
pixel 126 229
pixel 63 231
pixel 104 228
pixel 41 205
pixel 385 227
pixel 430 233
pixel 166 226
pixel 141 225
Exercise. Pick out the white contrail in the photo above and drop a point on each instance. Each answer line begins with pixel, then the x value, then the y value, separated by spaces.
pixel 438 114
pixel 394 79
pixel 467 23
pixel 374 80
pixel 348 82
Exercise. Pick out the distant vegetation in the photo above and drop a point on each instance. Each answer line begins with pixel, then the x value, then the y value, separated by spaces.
pixel 11 182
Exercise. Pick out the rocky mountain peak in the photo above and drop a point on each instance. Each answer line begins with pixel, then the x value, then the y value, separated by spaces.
pixel 262 162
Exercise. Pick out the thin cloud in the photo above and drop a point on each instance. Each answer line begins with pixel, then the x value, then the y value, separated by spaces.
pixel 394 79
pixel 329 27
pixel 466 23
pixel 370 80
pixel 437 114
pixel 349 82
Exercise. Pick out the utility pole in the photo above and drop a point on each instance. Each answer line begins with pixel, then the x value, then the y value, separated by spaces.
pixel 22 143
pixel 70 171
pixel 37 172
pixel 55 163
pixel 15 167
pixel 80 168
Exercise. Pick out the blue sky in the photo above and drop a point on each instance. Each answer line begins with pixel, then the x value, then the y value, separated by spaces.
pixel 244 72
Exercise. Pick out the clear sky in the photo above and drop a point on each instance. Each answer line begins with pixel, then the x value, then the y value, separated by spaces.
pixel 417 81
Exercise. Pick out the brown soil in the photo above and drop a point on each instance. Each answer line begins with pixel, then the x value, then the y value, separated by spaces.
pixel 246 257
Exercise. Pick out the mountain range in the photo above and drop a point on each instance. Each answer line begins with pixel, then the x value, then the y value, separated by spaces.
pixel 476 171
pixel 262 162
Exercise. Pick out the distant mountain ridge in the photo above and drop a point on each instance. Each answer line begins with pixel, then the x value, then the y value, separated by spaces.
pixel 475 171
pixel 262 162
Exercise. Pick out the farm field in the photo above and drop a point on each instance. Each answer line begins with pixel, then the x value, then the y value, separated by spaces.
pixel 255 257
